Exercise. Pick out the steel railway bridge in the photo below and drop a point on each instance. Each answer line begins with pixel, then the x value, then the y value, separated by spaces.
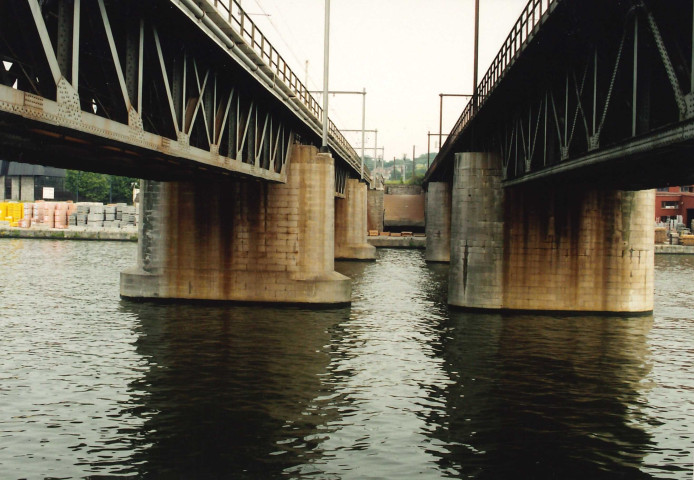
pixel 538 197
pixel 163 89
pixel 592 90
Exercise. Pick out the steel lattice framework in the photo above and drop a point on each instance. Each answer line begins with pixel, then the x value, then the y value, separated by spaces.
pixel 587 90
pixel 164 89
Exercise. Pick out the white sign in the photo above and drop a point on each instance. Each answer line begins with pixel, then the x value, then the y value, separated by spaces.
pixel 48 193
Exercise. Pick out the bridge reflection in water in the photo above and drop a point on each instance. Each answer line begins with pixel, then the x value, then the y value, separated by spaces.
pixel 397 386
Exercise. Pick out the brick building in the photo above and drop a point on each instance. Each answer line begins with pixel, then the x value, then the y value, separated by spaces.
pixel 674 202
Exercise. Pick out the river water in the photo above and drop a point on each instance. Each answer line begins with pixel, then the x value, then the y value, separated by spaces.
pixel 397 386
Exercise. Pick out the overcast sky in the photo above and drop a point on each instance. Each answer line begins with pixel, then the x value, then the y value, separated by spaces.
pixel 404 52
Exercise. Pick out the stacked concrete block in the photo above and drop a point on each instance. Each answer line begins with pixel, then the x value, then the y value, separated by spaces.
pixel 119 210
pixel 128 216
pixel 28 215
pixel 79 217
pixel 660 235
pixel 48 216
pixel 109 216
pixel 60 216
pixel 95 218
pixel 109 213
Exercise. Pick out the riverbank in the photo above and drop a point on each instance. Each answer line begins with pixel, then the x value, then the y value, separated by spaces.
pixel 72 233
pixel 674 250
pixel 130 235
pixel 397 242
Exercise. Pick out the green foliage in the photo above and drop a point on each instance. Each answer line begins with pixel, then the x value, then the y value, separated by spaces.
pixel 122 189
pixel 369 162
pixel 417 180
pixel 95 187
pixel 395 176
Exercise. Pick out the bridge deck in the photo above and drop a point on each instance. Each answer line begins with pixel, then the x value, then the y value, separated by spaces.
pixel 166 89
pixel 589 91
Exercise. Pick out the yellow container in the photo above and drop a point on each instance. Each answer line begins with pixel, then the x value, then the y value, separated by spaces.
pixel 687 240
pixel 16 210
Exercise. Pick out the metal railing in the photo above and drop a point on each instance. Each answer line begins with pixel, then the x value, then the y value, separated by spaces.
pixel 532 16
pixel 246 29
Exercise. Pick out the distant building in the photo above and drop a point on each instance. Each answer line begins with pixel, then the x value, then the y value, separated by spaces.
pixel 675 203
pixel 24 182
pixel 403 208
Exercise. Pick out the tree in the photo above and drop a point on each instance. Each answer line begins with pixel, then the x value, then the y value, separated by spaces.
pixel 122 189
pixel 95 187
pixel 395 175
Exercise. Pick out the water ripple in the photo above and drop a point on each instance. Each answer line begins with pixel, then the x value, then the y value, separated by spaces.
pixel 397 386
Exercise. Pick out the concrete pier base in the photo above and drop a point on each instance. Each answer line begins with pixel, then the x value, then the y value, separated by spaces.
pixel 350 224
pixel 241 240
pixel 477 214
pixel 438 222
pixel 579 249
pixel 547 248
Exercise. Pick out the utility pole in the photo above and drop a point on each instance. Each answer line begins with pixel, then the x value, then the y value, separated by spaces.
pixel 428 148
pixel 404 157
pixel 376 149
pixel 475 97
pixel 326 70
pixel 413 163
pixel 363 127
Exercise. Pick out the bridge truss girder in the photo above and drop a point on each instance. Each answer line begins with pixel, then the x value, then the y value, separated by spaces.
pixel 134 89
pixel 601 92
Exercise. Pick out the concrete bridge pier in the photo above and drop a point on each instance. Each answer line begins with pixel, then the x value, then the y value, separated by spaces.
pixel 351 224
pixel 375 212
pixel 438 222
pixel 476 254
pixel 549 248
pixel 579 249
pixel 241 240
